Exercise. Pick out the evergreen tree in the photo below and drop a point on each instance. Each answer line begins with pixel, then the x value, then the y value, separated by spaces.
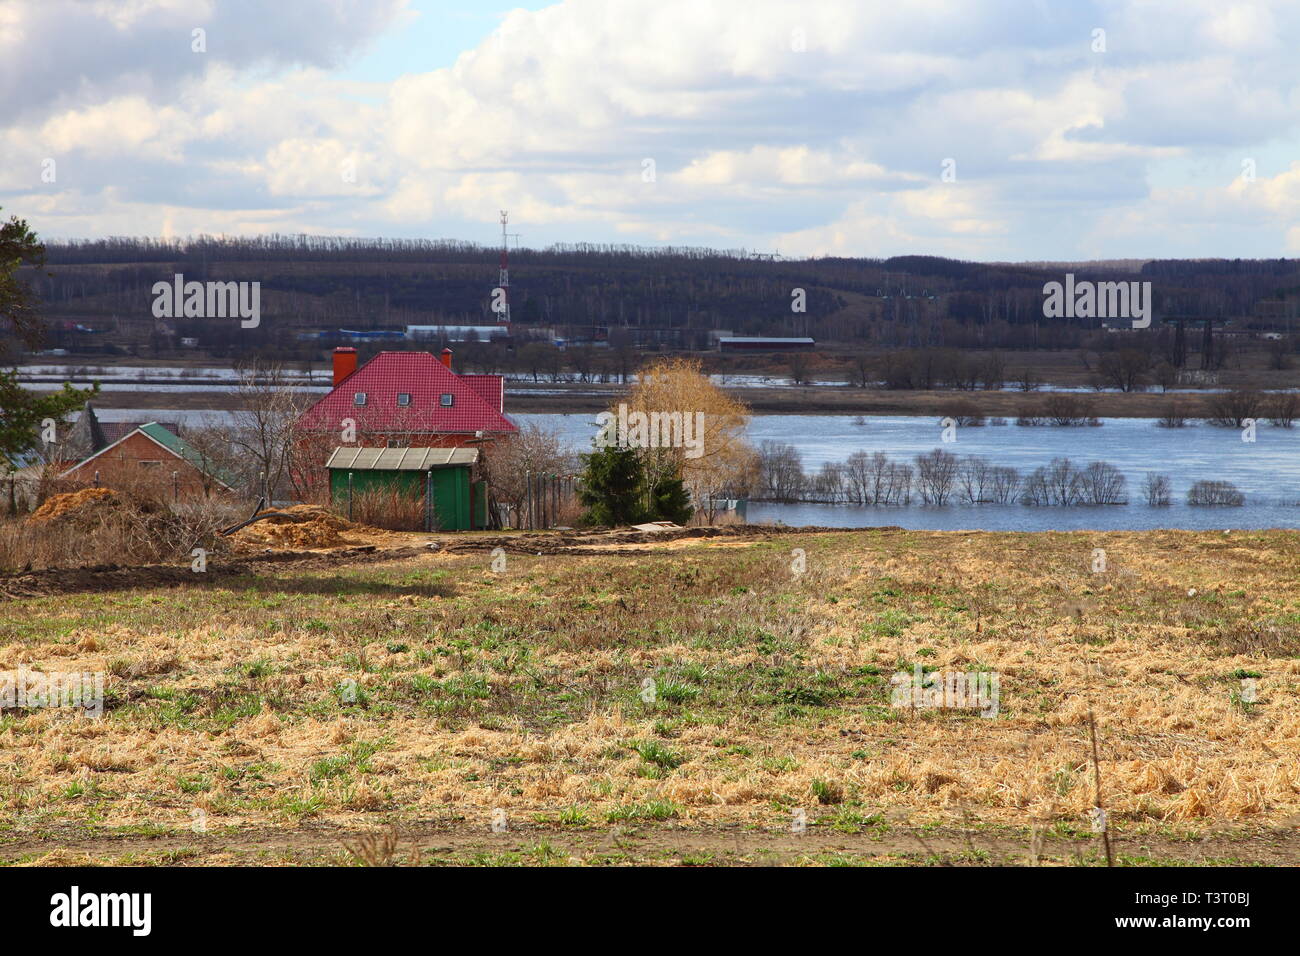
pixel 671 501
pixel 613 487
pixel 22 412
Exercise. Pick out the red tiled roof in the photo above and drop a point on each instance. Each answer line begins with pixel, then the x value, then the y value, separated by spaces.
pixel 426 380
pixel 491 387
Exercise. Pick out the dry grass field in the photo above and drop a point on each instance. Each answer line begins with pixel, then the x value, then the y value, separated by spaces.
pixel 326 711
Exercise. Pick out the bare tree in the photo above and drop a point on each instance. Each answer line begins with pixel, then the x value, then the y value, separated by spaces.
pixel 993 372
pixel 1173 416
pixel 1058 483
pixel 1027 379
pixel 532 450
pixel 936 473
pixel 262 428
pixel 1124 369
pixel 1283 409
pixel 1004 484
pixel 798 368
pixel 828 483
pixel 1101 483
pixel 974 479
pixel 781 470
pixel 1231 409
pixel 1215 494
pixel 1158 490
pixel 860 370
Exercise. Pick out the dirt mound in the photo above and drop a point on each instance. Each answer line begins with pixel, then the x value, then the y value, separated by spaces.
pixel 299 526
pixel 314 514
pixel 78 505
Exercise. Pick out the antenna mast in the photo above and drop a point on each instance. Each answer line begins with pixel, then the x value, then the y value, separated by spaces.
pixel 504 282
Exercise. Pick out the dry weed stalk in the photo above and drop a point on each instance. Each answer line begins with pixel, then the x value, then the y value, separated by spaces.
pixel 380 849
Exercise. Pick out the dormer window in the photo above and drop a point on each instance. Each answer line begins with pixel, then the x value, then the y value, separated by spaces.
pixel 447 400
pixel 403 399
pixel 359 398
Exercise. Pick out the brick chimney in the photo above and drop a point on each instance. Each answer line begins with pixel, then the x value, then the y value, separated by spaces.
pixel 345 363
pixel 445 357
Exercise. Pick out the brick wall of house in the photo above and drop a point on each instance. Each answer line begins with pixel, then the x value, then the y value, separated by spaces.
pixel 124 466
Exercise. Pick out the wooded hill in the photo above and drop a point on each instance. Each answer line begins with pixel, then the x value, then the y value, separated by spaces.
pixel 314 282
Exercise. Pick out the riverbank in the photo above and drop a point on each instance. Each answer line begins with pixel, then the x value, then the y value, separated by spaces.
pixel 565 398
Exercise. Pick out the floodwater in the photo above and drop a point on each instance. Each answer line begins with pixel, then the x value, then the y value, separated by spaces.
pixel 1267 470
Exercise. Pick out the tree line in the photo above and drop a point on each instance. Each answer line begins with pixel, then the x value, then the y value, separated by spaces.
pixel 906 301
pixel 938 477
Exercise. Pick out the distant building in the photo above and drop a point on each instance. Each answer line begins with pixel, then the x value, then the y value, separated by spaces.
pixel 369 335
pixel 409 399
pixel 758 343
pixel 89 435
pixel 404 400
pixel 153 454
pixel 457 333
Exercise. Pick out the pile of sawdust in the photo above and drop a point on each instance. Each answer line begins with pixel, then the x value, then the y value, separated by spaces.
pixel 77 505
pixel 317 514
pixel 300 526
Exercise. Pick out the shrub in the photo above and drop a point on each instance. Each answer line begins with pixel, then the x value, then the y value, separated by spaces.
pixel 1283 409
pixel 116 528
pixel 1065 410
pixel 1059 483
pixel 935 474
pixel 963 413
pixel 1173 417
pixel 1101 483
pixel 1157 490
pixel 1231 409
pixel 1215 494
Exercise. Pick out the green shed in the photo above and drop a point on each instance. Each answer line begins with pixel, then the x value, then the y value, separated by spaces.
pixel 441 477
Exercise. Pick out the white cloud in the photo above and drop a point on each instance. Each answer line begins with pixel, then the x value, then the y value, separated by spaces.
pixel 819 127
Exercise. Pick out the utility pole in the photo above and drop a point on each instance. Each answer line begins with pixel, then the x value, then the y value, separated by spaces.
pixel 503 280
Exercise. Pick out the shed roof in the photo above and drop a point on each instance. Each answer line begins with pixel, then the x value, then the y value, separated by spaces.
pixel 400 459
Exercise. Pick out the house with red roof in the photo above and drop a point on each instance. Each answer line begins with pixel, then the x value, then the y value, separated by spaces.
pixel 407 400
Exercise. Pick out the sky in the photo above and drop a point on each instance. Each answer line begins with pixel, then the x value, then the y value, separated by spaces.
pixel 991 130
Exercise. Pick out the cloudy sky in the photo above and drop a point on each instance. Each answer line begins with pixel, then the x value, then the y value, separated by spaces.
pixel 980 129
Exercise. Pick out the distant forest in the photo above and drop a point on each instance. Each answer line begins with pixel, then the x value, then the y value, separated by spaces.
pixel 669 297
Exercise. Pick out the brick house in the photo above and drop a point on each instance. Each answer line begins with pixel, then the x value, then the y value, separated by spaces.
pixel 407 400
pixel 151 455
pixel 89 435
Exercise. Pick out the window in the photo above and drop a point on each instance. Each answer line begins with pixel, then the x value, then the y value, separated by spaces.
pixel 447 400
pixel 403 398
pixel 396 443
pixel 150 464
pixel 359 398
